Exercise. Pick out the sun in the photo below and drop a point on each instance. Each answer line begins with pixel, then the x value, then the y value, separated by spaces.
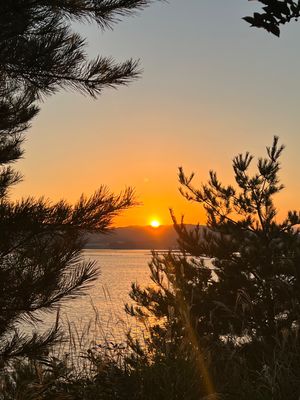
pixel 155 223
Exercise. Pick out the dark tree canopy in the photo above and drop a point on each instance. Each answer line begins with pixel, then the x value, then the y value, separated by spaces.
pixel 41 54
pixel 41 263
pixel 236 280
pixel 274 14
pixel 41 242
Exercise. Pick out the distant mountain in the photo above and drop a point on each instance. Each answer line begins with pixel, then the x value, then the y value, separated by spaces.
pixel 135 237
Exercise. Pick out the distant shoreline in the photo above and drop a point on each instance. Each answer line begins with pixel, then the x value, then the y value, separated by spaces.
pixel 136 238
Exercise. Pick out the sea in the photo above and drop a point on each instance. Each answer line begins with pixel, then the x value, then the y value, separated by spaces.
pixel 99 315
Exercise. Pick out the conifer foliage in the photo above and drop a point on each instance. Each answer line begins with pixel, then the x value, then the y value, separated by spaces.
pixel 41 242
pixel 236 280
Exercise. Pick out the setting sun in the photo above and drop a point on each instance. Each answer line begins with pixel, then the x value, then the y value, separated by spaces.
pixel 155 223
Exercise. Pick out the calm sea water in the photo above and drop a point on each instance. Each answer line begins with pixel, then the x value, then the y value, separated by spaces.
pixel 102 309
pixel 100 314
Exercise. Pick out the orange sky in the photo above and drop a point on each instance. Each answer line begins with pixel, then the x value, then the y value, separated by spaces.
pixel 212 87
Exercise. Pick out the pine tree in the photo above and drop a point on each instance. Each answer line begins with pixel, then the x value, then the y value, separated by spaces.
pixel 41 242
pixel 237 281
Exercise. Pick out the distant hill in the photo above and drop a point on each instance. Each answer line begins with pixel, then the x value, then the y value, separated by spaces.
pixel 136 237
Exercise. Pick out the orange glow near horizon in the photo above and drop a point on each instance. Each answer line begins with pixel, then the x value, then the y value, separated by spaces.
pixel 138 136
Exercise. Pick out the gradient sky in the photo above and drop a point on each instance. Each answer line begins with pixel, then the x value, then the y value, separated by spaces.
pixel 211 87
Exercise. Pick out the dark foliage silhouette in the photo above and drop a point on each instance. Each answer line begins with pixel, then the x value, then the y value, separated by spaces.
pixel 275 14
pixel 246 298
pixel 41 242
